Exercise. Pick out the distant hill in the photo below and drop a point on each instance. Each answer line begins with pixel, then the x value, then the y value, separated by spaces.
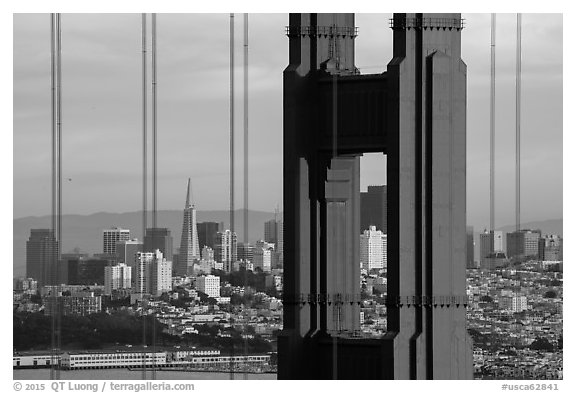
pixel 548 227
pixel 85 231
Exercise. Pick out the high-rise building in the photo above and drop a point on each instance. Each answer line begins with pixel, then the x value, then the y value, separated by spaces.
pixel 209 284
pixel 83 270
pixel 271 231
pixel 373 208
pixel 159 239
pixel 126 251
pixel 153 273
pixel 280 246
pixel 41 257
pixel 189 251
pixel 117 277
pixel 141 274
pixel 373 249
pixel 207 233
pixel 486 244
pixel 263 253
pixel 494 261
pixel 246 251
pixel 498 241
pixel 274 233
pixel 111 237
pixel 470 247
pixel 491 244
pixel 226 249
pixel 553 248
pixel 160 275
pixel 523 243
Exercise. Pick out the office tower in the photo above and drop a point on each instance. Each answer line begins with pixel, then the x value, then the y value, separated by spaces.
pixel 274 233
pixel 491 244
pixel 225 249
pixel 553 248
pixel 280 246
pixel 263 253
pixel 531 240
pixel 126 251
pixel 271 231
pixel 111 237
pixel 523 243
pixel 41 255
pixel 372 249
pixel 373 208
pixel 498 241
pixel 210 285
pixel 159 239
pixel 246 252
pixel 83 271
pixel 542 248
pixel 117 277
pixel 207 233
pixel 486 244
pixel 189 249
pixel 494 260
pixel 470 247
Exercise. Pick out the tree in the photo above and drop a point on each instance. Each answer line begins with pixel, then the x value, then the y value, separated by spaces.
pixel 541 344
pixel 486 299
pixel 550 294
pixel 556 283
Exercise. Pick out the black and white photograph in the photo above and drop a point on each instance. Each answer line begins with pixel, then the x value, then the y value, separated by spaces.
pixel 213 196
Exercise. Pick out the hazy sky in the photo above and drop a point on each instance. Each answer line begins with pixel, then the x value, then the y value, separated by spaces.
pixel 102 111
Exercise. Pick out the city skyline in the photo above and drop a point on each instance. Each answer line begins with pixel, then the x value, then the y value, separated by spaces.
pixel 185 101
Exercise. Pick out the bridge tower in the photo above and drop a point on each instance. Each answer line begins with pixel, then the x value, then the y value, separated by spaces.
pixel 416 114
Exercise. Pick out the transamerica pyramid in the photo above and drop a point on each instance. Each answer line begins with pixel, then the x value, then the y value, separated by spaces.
pixel 189 249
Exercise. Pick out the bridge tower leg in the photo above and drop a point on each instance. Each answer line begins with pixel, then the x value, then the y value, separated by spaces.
pixel 414 113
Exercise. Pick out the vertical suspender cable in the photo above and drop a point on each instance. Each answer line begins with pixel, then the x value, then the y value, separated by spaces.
pixel 59 127
pixel 53 112
pixel 59 132
pixel 518 105
pixel 144 130
pixel 144 164
pixel 155 170
pixel 246 238
pixel 154 129
pixel 54 355
pixel 492 121
pixel 232 124
pixel 231 258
